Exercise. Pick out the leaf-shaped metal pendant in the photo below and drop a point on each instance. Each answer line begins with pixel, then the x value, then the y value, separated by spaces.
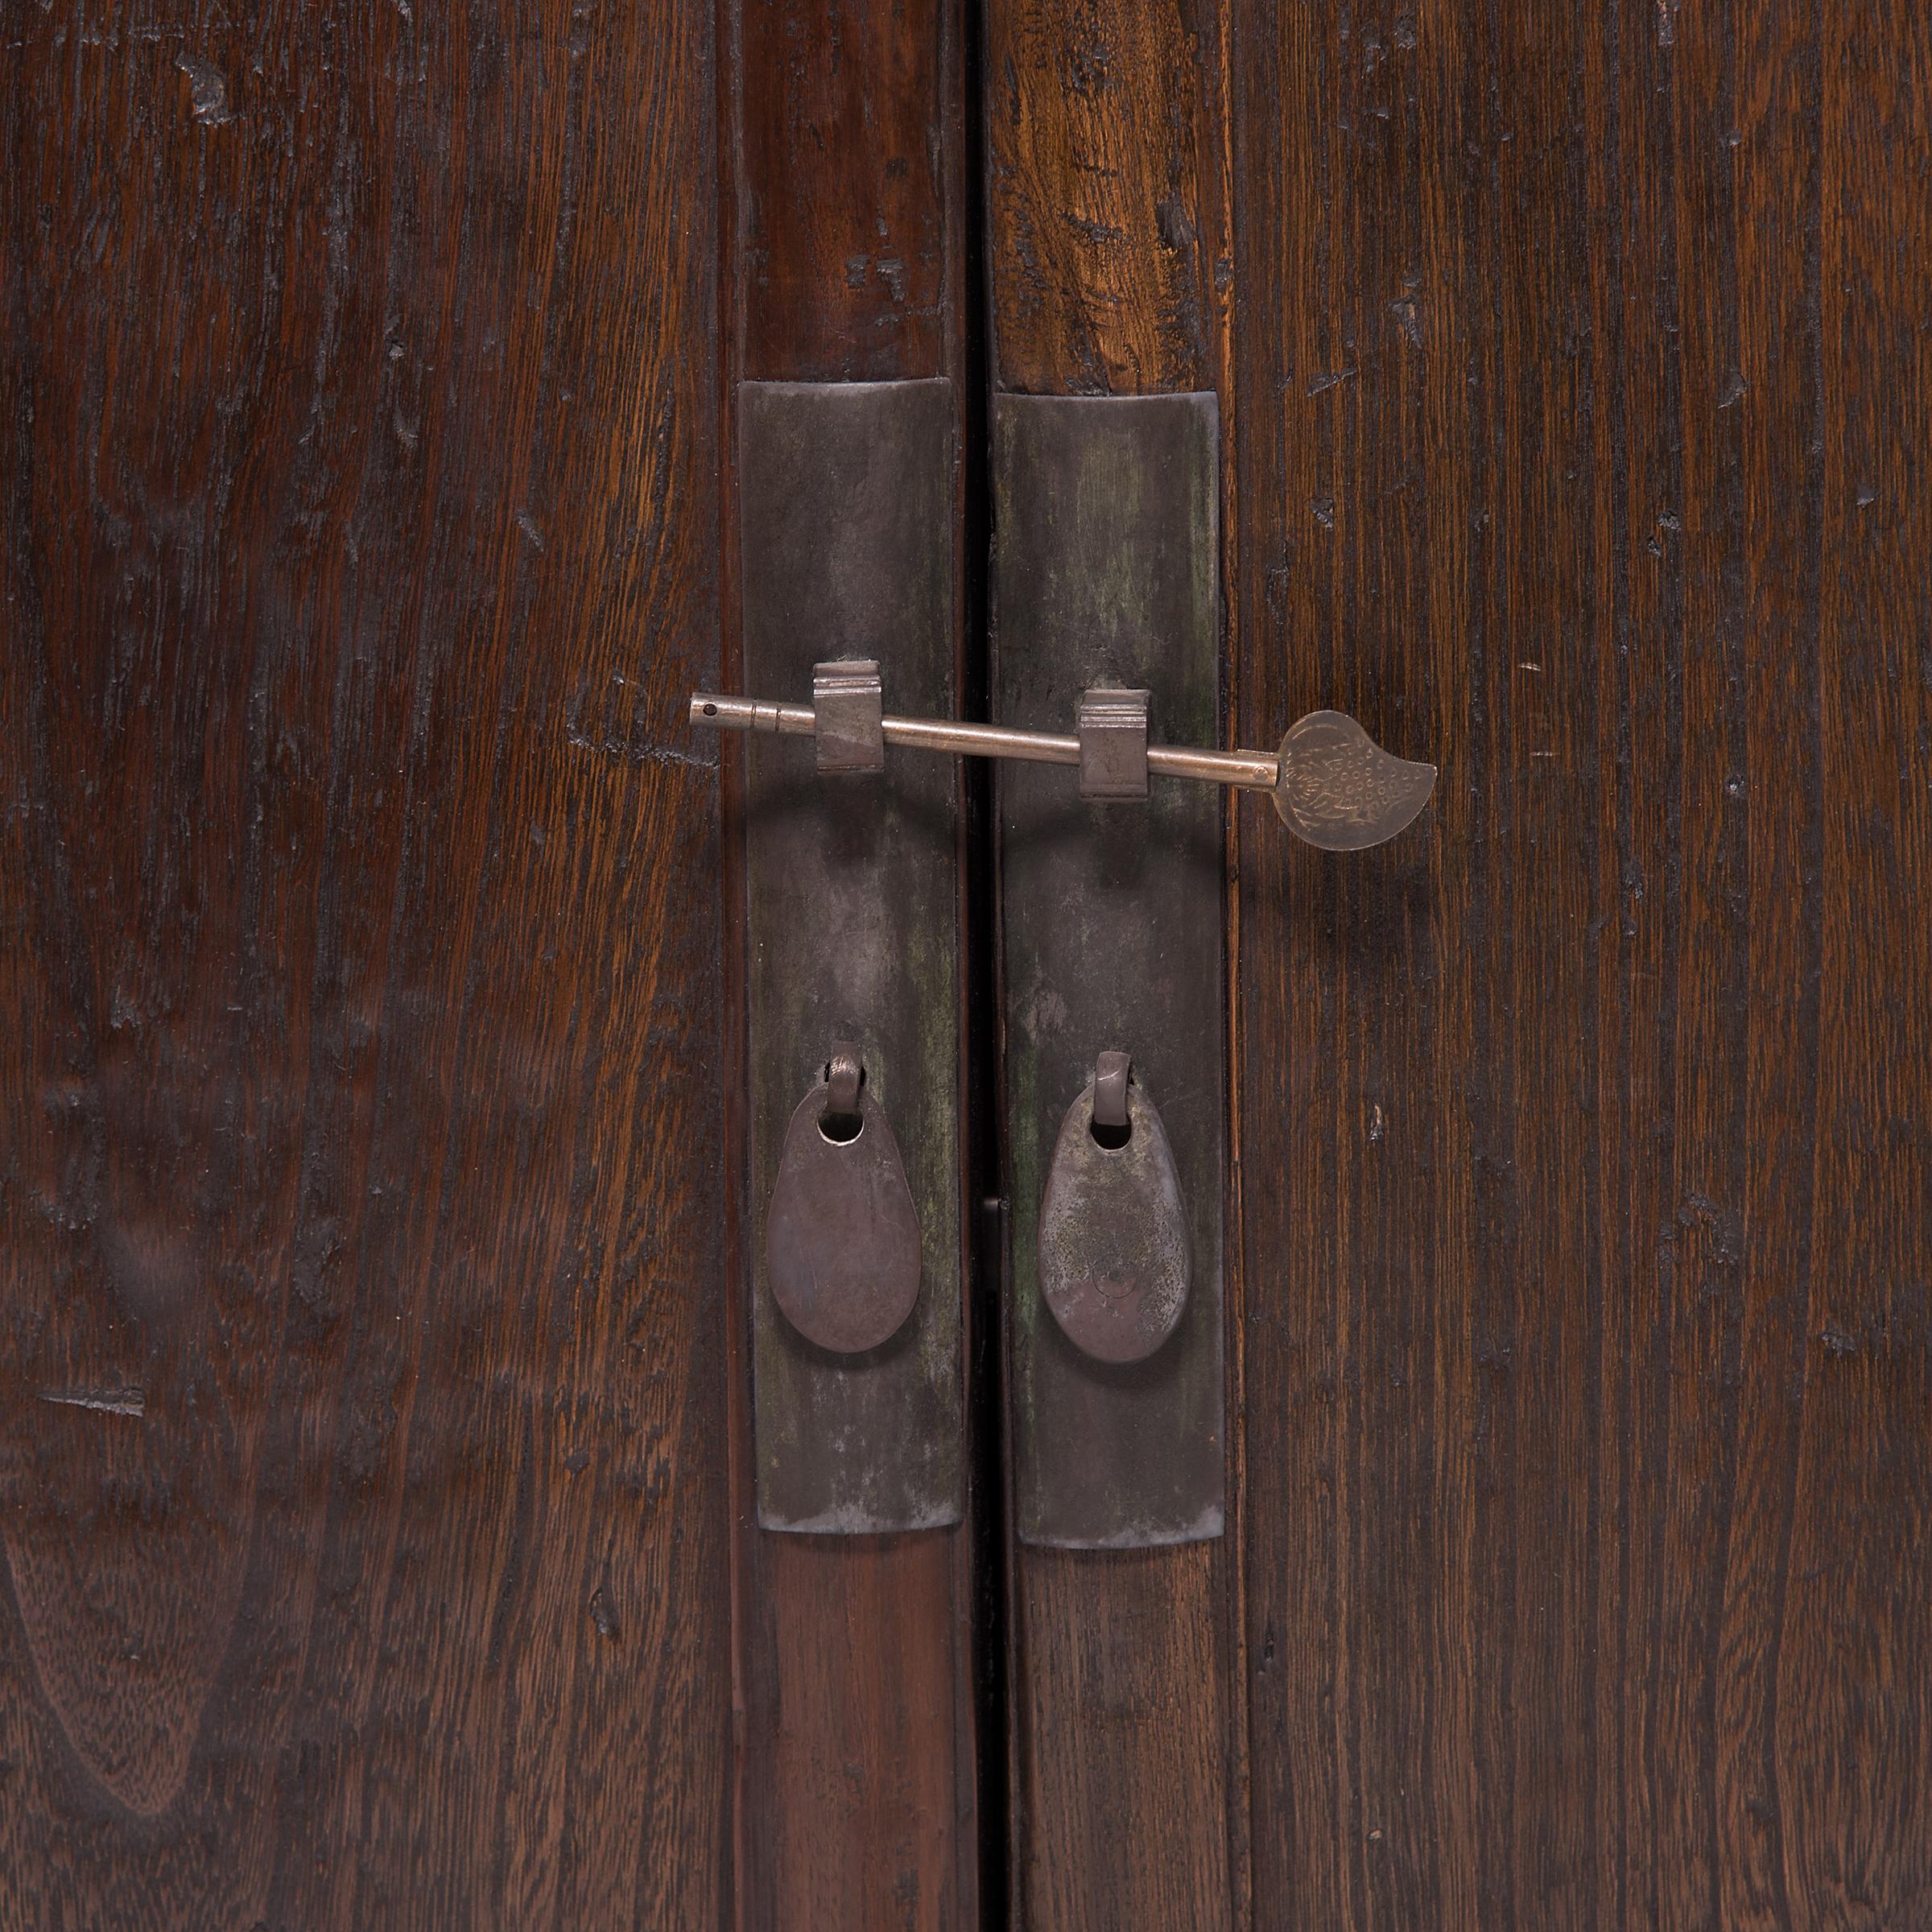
pixel 842 1239
pixel 1114 1264
pixel 1338 789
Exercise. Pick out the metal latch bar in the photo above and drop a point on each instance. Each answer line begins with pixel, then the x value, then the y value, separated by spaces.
pixel 1331 784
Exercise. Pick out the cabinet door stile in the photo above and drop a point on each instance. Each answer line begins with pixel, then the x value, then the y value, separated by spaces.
pixel 856 1780
pixel 1107 261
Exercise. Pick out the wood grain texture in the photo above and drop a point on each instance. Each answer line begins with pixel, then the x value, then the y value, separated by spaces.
pixel 1109 265
pixel 1105 131
pixel 1583 393
pixel 845 250
pixel 361 1443
pixel 849 187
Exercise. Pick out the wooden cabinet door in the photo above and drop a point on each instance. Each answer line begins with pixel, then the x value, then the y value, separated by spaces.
pixel 375 1448
pixel 1575 383
pixel 845 245
pixel 364 1450
pixel 375 1437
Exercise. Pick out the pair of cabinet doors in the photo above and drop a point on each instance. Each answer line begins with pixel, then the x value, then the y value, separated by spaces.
pixel 377 1466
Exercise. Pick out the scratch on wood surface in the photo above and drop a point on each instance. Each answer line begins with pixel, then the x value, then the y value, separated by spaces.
pixel 110 1401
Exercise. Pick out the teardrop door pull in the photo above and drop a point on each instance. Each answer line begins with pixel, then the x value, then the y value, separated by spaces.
pixel 1114 1264
pixel 842 1239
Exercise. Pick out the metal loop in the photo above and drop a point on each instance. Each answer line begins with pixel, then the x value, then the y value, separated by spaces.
pixel 1111 1073
pixel 844 1074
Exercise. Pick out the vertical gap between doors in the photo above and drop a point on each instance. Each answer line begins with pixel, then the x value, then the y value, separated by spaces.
pixel 986 1418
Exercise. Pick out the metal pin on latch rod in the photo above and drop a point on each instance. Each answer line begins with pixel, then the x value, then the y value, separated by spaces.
pixel 1331 784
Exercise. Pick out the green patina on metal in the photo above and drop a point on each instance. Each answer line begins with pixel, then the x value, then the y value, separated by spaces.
pixel 1105 573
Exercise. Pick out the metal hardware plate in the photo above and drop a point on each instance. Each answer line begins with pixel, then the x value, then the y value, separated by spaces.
pixel 1106 572
pixel 841 1237
pixel 846 514
pixel 1113 1227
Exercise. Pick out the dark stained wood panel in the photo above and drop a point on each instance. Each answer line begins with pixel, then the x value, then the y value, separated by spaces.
pixel 850 185
pixel 1108 266
pixel 845 248
pixel 1582 391
pixel 362 1456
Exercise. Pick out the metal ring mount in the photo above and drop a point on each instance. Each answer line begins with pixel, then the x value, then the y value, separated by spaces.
pixel 1111 1072
pixel 845 1076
